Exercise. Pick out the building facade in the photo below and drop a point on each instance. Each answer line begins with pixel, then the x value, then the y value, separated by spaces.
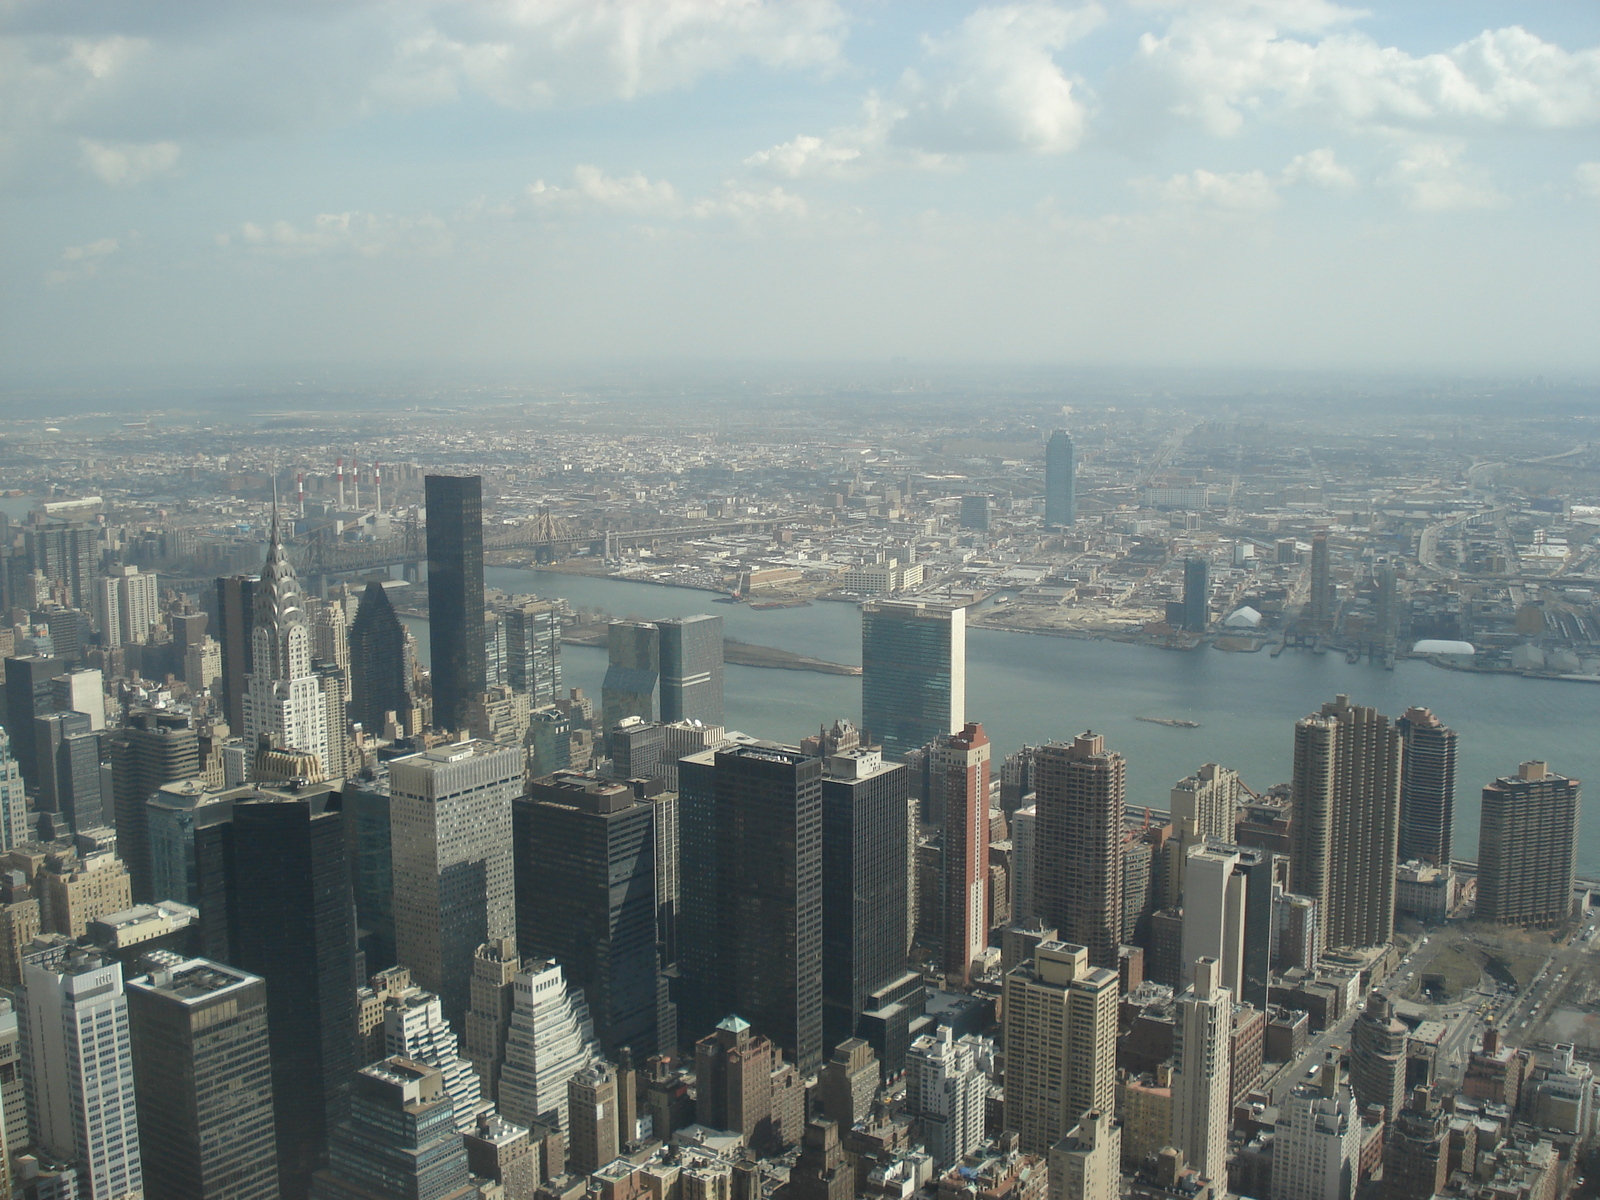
pixel 1060 481
pixel 1527 842
pixel 913 673
pixel 455 595
pixel 1427 788
pixel 1078 833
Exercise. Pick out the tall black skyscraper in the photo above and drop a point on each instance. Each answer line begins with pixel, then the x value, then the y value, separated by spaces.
pixel 632 686
pixel 1427 788
pixel 584 850
pixel 455 594
pixel 282 872
pixel 750 926
pixel 1196 594
pixel 29 694
pixel 236 607
pixel 203 1082
pixel 867 841
pixel 1060 480
pixel 151 749
pixel 691 669
pixel 377 660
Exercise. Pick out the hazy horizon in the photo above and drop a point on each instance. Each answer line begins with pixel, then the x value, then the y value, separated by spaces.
pixel 239 192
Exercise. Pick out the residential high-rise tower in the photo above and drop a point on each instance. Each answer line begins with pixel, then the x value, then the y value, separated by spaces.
pixel 1078 835
pixel 1202 1037
pixel 1060 481
pixel 1427 788
pixel 1527 840
pixel 960 769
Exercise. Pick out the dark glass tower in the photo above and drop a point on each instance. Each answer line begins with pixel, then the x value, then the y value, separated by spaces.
pixel 1060 480
pixel 584 850
pixel 866 841
pixel 151 749
pixel 236 607
pixel 691 669
pixel 1427 788
pixel 632 686
pixel 533 650
pixel 377 660
pixel 750 929
pixel 203 1082
pixel 290 920
pixel 1196 593
pixel 913 673
pixel 400 1140
pixel 455 594
pixel 29 694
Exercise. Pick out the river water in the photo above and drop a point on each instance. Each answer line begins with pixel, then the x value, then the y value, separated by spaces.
pixel 1030 688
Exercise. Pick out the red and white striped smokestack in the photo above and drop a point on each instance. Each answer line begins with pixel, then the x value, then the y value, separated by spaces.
pixel 377 486
pixel 339 475
pixel 300 491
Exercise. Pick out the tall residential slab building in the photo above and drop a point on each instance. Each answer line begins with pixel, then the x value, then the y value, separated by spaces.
pixel 947 1090
pixel 450 845
pixel 1060 481
pixel 76 1058
pixel 960 769
pixel 691 669
pixel 1344 839
pixel 1317 1145
pixel 913 672
pixel 455 595
pixel 868 832
pixel 1078 836
pixel 1527 842
pixel 533 650
pixel 203 1078
pixel 1378 1044
pixel 378 682
pixel 236 606
pixel 584 853
pixel 1427 788
pixel 1202 1037
pixel 750 925
pixel 1061 1033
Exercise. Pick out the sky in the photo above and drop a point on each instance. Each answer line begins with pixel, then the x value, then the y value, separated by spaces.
pixel 1294 184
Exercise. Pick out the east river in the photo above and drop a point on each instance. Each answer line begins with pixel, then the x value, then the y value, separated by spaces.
pixel 1030 688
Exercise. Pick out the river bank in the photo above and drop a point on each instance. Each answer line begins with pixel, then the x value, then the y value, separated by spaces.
pixel 740 654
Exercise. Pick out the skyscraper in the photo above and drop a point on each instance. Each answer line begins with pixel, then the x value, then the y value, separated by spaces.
pixel 73 1019
pixel 414 1027
pixel 29 694
pixel 1527 840
pixel 69 775
pixel 1077 882
pixel 632 686
pixel 203 1078
pixel 153 748
pixel 450 845
pixel 1023 836
pixel 1347 821
pixel 494 986
pixel 1319 609
pixel 913 672
pixel 284 708
pixel 455 594
pixel 750 927
pixel 1061 1034
pixel 691 669
pixel 594 1137
pixel 13 798
pixel 378 682
pixel 947 1091
pixel 550 1039
pixel 236 607
pixel 960 770
pixel 533 650
pixel 290 920
pixel 1317 1146
pixel 400 1139
pixel 1196 595
pixel 1202 1037
pixel 584 853
pixel 868 827
pixel 1213 914
pixel 1203 806
pixel 1427 788
pixel 1060 481
pixel 1378 1043
pixel 1086 1164
pixel 67 553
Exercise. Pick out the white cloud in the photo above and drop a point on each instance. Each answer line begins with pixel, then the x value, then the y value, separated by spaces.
pixel 1244 191
pixel 1321 168
pixel 127 163
pixel 80 262
pixel 133 79
pixel 990 86
pixel 363 234
pixel 1222 64
pixel 1587 176
pixel 746 205
pixel 592 188
pixel 1431 178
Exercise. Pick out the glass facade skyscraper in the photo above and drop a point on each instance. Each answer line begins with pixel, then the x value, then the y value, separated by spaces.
pixel 377 661
pixel 1060 480
pixel 455 594
pixel 1427 788
pixel 913 672
pixel 691 669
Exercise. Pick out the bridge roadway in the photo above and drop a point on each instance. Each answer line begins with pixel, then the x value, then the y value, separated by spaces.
pixel 407 549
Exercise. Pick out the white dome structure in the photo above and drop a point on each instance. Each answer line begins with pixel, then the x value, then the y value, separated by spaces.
pixel 1444 646
pixel 1242 618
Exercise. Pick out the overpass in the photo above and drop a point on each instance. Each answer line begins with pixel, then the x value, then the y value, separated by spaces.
pixel 319 558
